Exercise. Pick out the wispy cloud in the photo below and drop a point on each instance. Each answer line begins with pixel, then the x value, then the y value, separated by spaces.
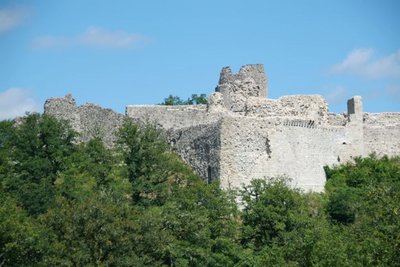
pixel 16 102
pixel 362 62
pixel 92 37
pixel 12 17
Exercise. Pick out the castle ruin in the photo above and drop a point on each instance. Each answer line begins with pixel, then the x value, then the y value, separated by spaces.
pixel 241 134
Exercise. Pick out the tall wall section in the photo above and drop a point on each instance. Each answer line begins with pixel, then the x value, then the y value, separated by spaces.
pixel 268 147
pixel 192 131
pixel 200 147
pixel 382 133
pixel 88 120
pixel 250 81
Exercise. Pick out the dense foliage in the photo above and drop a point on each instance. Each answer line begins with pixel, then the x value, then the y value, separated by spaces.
pixel 195 99
pixel 69 204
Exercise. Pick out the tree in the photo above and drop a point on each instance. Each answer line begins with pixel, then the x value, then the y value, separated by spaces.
pixel 195 99
pixel 271 209
pixel 145 155
pixel 6 136
pixel 363 198
pixel 97 231
pixel 196 226
pixel 199 99
pixel 172 101
pixel 37 152
pixel 279 224
pixel 23 241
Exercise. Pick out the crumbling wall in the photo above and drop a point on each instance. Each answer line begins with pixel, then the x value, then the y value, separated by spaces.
pixel 88 120
pixel 170 117
pixel 382 133
pixel 199 146
pixel 193 132
pixel 267 147
pixel 250 81
pixel 307 107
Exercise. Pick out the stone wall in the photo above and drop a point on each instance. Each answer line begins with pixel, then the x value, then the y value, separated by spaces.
pixel 382 133
pixel 192 131
pixel 250 81
pixel 170 117
pixel 241 135
pixel 310 107
pixel 199 146
pixel 88 120
pixel 266 147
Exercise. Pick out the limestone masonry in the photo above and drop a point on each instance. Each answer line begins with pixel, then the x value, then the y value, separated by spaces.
pixel 241 134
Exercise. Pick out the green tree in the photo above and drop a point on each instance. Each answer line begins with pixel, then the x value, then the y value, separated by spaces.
pixel 363 197
pixel 271 209
pixel 23 241
pixel 146 157
pixel 197 226
pixel 172 101
pixel 281 225
pixel 99 161
pixel 195 99
pixel 96 231
pixel 6 136
pixel 198 99
pixel 37 152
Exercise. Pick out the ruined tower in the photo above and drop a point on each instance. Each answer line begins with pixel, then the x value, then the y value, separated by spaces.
pixel 250 81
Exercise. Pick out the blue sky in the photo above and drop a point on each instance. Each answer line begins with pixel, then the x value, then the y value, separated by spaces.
pixel 116 53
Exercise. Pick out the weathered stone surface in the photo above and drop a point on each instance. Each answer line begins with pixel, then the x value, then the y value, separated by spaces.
pixel 241 135
pixel 237 88
pixel 382 133
pixel 88 120
pixel 200 147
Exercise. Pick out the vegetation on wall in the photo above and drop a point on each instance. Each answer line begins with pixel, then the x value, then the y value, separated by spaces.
pixel 195 99
pixel 69 204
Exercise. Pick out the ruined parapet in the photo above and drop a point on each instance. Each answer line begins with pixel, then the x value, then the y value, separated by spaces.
pixel 63 108
pixel 355 133
pixel 170 117
pixel 306 107
pixel 337 119
pixel 355 109
pixel 382 133
pixel 251 81
pixel 88 120
pixel 216 103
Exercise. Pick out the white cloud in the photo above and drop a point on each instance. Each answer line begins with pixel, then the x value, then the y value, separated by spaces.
pixel 92 37
pixel 51 41
pixel 16 102
pixel 11 17
pixel 100 37
pixel 363 63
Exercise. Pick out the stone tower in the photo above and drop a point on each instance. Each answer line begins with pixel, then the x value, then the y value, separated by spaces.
pixel 251 81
